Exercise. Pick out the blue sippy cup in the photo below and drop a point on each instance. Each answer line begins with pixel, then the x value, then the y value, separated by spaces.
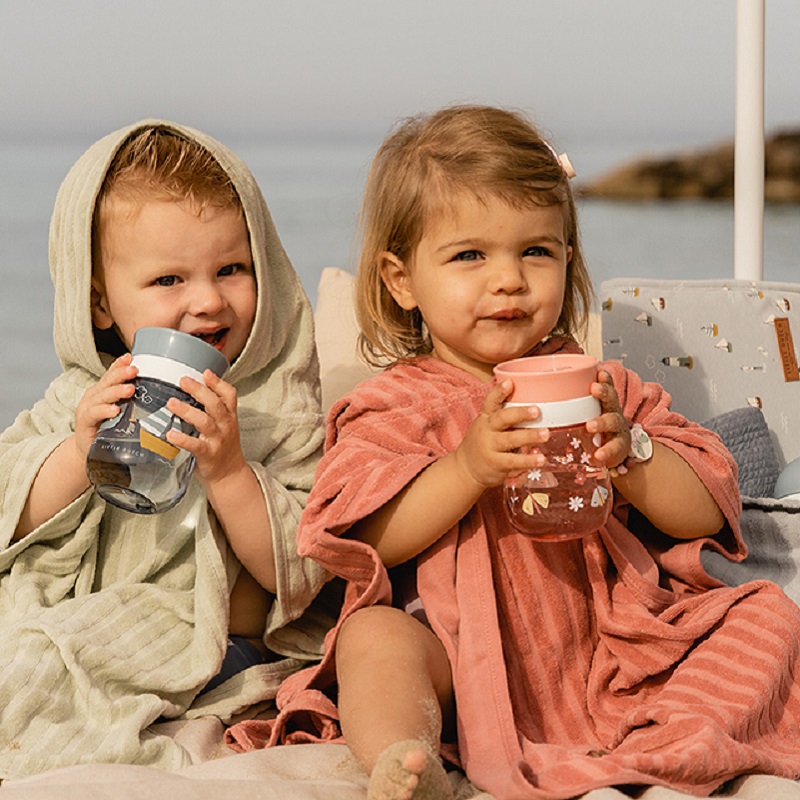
pixel 130 462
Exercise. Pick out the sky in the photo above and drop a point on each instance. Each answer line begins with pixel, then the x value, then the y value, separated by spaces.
pixel 651 71
pixel 604 79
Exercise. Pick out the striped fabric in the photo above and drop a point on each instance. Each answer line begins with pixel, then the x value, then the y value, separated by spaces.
pixel 112 620
pixel 611 660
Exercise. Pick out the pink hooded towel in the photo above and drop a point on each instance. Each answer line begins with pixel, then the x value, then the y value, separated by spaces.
pixel 615 659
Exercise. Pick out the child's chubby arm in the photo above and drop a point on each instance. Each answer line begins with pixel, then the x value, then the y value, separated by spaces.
pixel 62 477
pixel 446 490
pixel 665 489
pixel 230 483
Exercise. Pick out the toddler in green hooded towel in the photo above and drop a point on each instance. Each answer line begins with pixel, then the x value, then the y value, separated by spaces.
pixel 159 225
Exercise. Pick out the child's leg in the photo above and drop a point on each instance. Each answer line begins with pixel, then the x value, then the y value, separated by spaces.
pixel 394 683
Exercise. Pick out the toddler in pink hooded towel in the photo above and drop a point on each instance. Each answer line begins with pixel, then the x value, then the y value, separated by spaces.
pixel 542 669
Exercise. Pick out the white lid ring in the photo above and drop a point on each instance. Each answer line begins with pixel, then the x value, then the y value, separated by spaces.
pixel 562 413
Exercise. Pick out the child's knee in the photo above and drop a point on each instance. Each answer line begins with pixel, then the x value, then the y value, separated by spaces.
pixel 367 624
pixel 380 633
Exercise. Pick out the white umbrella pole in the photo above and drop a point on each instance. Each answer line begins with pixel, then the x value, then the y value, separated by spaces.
pixel 748 220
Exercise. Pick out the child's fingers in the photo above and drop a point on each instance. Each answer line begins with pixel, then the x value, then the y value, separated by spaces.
pixel 612 453
pixel 107 404
pixel 517 438
pixel 215 421
pixel 94 415
pixel 616 438
pixel 221 388
pixel 126 359
pixel 124 362
pixel 502 417
pixel 611 420
pixel 522 451
pixel 101 400
pixel 515 417
pixel 604 390
pixel 496 465
pixel 191 444
pixel 120 371
pixel 216 395
pixel 496 397
pixel 194 416
pixel 609 424
pixel 111 392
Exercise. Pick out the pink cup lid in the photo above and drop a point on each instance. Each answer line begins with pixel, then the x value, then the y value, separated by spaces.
pixel 548 378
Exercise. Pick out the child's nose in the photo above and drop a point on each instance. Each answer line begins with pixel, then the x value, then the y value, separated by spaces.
pixel 508 275
pixel 207 299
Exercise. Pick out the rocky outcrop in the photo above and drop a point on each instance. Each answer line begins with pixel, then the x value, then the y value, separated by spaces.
pixel 702 174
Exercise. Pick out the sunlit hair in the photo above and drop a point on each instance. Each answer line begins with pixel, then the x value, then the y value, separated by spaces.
pixel 419 172
pixel 159 164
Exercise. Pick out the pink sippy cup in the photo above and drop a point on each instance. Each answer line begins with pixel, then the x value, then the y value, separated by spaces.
pixel 571 496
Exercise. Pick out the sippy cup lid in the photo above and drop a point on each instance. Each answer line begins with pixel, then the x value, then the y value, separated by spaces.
pixel 181 347
pixel 548 378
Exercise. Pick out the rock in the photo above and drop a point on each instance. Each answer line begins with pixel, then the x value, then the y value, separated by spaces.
pixel 702 174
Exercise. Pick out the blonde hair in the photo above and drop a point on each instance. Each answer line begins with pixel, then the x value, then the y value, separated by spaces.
pixel 159 164
pixel 422 167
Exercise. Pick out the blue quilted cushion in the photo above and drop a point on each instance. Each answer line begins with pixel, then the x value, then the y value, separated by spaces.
pixel 745 433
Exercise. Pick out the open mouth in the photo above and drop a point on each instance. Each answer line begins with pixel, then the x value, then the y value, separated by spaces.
pixel 214 339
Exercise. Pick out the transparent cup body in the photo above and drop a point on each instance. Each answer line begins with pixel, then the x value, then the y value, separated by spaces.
pixel 131 463
pixel 570 497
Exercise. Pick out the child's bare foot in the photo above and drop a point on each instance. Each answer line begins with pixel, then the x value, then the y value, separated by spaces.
pixel 408 771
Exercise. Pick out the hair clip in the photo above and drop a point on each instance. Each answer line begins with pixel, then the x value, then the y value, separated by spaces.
pixel 563 160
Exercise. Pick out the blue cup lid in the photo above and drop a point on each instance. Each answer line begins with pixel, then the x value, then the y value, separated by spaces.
pixel 181 347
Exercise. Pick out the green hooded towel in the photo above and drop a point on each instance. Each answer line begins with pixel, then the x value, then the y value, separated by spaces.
pixel 112 620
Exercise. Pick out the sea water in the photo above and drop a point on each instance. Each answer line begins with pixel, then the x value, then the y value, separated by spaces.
pixel 313 187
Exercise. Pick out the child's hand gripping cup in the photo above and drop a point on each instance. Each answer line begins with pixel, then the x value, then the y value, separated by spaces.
pixel 570 497
pixel 130 462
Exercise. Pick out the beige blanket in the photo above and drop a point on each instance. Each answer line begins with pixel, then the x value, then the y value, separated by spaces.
pixel 113 620
pixel 308 772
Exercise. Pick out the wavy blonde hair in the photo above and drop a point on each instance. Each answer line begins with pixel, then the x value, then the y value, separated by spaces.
pixel 419 170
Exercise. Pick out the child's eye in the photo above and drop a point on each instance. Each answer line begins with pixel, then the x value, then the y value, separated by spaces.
pixel 537 251
pixel 166 280
pixel 467 255
pixel 231 269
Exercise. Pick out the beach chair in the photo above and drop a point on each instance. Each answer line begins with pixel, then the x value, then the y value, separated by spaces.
pixel 719 347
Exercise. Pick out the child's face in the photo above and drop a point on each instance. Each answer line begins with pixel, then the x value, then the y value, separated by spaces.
pixel 488 280
pixel 166 266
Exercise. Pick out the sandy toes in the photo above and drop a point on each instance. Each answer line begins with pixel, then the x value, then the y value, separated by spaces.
pixel 408 771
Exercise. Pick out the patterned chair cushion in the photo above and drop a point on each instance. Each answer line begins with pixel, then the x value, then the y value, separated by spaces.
pixel 715 346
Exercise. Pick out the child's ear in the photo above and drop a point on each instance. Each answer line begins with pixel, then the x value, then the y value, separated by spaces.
pixel 101 316
pixel 394 273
